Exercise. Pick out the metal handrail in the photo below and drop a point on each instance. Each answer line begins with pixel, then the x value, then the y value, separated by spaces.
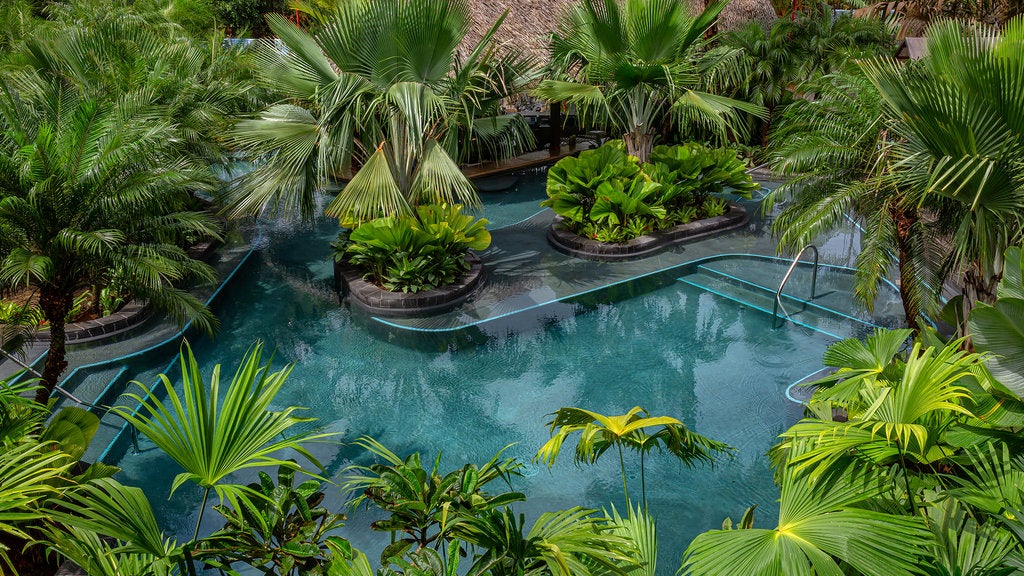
pixel 785 279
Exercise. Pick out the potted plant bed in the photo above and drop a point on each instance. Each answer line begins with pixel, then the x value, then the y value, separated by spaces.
pixel 612 206
pixel 412 265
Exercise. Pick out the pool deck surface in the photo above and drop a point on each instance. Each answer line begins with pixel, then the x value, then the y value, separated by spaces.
pixel 528 160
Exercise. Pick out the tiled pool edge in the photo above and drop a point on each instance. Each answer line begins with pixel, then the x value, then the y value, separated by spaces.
pixel 119 438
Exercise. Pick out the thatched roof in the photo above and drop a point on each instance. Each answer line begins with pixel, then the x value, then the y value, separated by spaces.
pixel 527 27
pixel 530 22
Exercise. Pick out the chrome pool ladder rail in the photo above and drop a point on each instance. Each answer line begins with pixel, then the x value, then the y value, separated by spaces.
pixel 782 285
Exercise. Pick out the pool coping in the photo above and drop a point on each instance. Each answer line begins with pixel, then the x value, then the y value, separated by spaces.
pixel 352 286
pixel 567 242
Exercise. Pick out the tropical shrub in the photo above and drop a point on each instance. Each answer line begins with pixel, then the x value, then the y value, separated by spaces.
pixel 24 314
pixel 639 68
pixel 908 460
pixel 608 195
pixel 425 505
pixel 246 17
pixel 280 527
pixel 412 254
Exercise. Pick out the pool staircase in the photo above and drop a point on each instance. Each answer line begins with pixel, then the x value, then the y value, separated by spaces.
pixel 798 293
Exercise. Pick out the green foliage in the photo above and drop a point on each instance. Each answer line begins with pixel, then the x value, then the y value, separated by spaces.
pixel 411 254
pixel 820 525
pixel 775 63
pixel 279 527
pixel 636 66
pixel 247 17
pixel 961 143
pixel 599 433
pixel 425 505
pixel 907 462
pixel 211 437
pixel 199 18
pixel 608 195
pixel 999 328
pixel 25 314
pixel 384 87
pixel 573 542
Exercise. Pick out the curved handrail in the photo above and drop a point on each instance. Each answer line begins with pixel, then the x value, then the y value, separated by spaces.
pixel 785 279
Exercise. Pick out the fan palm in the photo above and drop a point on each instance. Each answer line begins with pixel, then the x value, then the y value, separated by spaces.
pixel 571 542
pixel 962 140
pixel 819 523
pixel 638 67
pixel 382 83
pixel 27 470
pixel 88 188
pixel 211 437
pixel 899 412
pixel 598 433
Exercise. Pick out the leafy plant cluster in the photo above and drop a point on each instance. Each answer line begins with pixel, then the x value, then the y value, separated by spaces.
pixel 415 253
pixel 279 525
pixel 907 462
pixel 110 117
pixel 610 196
pixel 773 66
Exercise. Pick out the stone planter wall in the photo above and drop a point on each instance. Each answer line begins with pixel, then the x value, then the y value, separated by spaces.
pixel 376 300
pixel 129 316
pixel 589 249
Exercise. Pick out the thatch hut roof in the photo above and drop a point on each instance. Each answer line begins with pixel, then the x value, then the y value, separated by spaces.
pixel 530 22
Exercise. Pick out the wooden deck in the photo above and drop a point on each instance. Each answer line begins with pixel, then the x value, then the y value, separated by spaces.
pixel 527 160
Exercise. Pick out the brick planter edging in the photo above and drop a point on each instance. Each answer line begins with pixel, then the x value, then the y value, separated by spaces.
pixel 129 316
pixel 376 300
pixel 589 249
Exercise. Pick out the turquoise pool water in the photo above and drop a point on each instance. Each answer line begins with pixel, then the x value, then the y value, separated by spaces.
pixel 655 341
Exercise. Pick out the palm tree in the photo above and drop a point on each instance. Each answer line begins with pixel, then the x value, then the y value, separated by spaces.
pixel 89 188
pixel 107 53
pixel 962 142
pixel 837 150
pixel 639 67
pixel 382 84
pixel 211 437
pixel 598 433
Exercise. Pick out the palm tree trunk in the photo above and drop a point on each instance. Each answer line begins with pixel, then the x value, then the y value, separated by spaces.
pixel 639 143
pixel 55 305
pixel 905 221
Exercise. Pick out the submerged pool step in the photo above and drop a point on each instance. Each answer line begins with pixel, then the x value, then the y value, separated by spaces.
pixel 823 302
pixel 834 289
pixel 832 325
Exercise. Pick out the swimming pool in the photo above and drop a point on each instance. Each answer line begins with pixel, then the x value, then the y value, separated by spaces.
pixel 487 376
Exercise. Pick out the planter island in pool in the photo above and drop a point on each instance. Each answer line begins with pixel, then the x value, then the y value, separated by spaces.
pixel 378 301
pixel 573 244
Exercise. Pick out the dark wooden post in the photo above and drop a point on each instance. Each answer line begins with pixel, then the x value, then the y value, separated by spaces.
pixel 555 119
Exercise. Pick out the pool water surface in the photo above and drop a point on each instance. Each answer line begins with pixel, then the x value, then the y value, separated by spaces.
pixel 654 341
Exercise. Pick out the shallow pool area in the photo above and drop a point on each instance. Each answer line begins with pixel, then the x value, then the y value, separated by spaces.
pixel 546 331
